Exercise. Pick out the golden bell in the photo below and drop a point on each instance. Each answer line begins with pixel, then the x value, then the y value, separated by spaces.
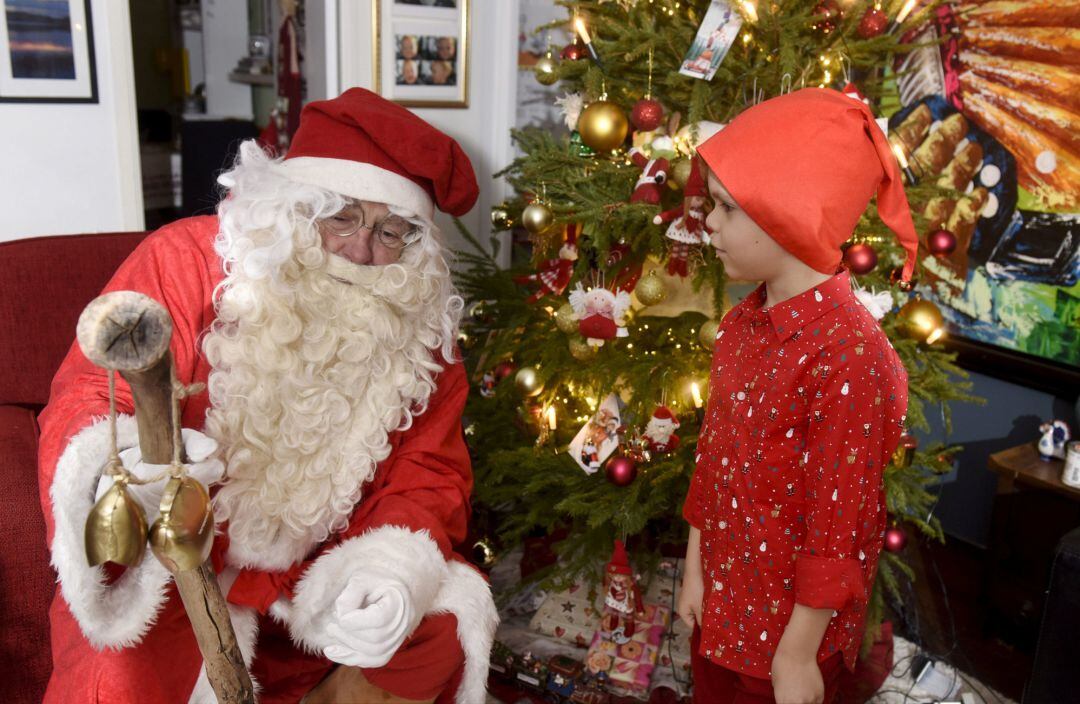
pixel 603 126
pixel 183 534
pixel 537 218
pixel 566 319
pixel 922 320
pixel 651 290
pixel 707 334
pixel 115 529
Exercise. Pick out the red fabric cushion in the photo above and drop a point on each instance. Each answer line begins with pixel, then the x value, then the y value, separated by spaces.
pixel 45 282
pixel 27 581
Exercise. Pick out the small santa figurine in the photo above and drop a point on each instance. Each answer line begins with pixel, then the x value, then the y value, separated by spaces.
pixel 487 385
pixel 660 434
pixel 554 274
pixel 653 176
pixel 622 600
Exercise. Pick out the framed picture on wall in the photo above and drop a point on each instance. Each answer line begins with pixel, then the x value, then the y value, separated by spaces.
pixel 421 52
pixel 47 52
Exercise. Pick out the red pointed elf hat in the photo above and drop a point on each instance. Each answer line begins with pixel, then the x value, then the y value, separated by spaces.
pixel 364 146
pixel 804 166
pixel 619 563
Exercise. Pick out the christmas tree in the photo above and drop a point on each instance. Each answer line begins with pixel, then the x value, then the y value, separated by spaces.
pixel 611 216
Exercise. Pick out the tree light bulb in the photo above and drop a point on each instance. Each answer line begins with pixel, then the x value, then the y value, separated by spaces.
pixel 905 11
pixel 579 25
pixel 899 152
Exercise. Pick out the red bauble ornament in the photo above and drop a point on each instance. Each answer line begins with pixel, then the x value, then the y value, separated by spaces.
pixel 647 114
pixel 941 243
pixel 872 23
pixel 860 258
pixel 826 16
pixel 504 369
pixel 895 538
pixel 573 52
pixel 620 470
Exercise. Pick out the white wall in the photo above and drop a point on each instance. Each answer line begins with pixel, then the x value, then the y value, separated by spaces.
pixel 482 129
pixel 73 168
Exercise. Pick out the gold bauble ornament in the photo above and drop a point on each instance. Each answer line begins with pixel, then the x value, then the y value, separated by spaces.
pixel 566 319
pixel 651 290
pixel 115 529
pixel 581 350
pixel 545 68
pixel 183 534
pixel 500 217
pixel 527 382
pixel 537 218
pixel 603 126
pixel 922 321
pixel 707 333
pixel 680 173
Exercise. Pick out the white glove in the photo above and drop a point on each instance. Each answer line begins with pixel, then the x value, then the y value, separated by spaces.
pixel 201 465
pixel 372 617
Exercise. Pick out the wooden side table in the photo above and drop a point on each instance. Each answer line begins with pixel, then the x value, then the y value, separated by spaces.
pixel 1022 465
pixel 1033 508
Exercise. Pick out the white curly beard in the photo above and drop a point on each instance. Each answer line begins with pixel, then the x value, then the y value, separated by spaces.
pixel 312 371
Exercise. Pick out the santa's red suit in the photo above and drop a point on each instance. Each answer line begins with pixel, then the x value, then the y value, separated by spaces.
pixel 125 637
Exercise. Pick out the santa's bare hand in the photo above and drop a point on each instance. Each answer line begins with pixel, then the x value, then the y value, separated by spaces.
pixel 371 620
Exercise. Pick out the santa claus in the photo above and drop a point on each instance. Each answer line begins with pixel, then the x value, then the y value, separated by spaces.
pixel 318 307
pixel 660 434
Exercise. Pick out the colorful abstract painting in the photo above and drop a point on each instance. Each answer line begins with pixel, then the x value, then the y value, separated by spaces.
pixel 991 110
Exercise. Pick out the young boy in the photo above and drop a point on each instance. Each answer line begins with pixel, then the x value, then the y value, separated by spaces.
pixel 807 404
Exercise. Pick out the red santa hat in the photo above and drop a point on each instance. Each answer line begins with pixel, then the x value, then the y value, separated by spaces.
pixel 364 146
pixel 619 563
pixel 804 166
pixel 664 413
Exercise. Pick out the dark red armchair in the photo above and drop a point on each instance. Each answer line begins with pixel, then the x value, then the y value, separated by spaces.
pixel 44 284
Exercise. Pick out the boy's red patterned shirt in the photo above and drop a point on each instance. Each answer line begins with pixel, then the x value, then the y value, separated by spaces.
pixel 807 402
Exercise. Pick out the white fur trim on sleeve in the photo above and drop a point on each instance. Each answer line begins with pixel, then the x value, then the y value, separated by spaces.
pixel 412 557
pixel 466 594
pixel 110 616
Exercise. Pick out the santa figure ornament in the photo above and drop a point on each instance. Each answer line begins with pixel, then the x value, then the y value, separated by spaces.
pixel 622 600
pixel 554 274
pixel 653 176
pixel 660 434
pixel 600 313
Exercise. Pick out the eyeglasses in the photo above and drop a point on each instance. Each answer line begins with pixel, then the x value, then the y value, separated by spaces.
pixel 392 231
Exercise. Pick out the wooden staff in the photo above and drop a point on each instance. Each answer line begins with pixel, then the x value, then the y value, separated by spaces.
pixel 129 332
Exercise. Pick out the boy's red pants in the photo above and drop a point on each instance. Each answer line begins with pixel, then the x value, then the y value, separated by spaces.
pixel 714 684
